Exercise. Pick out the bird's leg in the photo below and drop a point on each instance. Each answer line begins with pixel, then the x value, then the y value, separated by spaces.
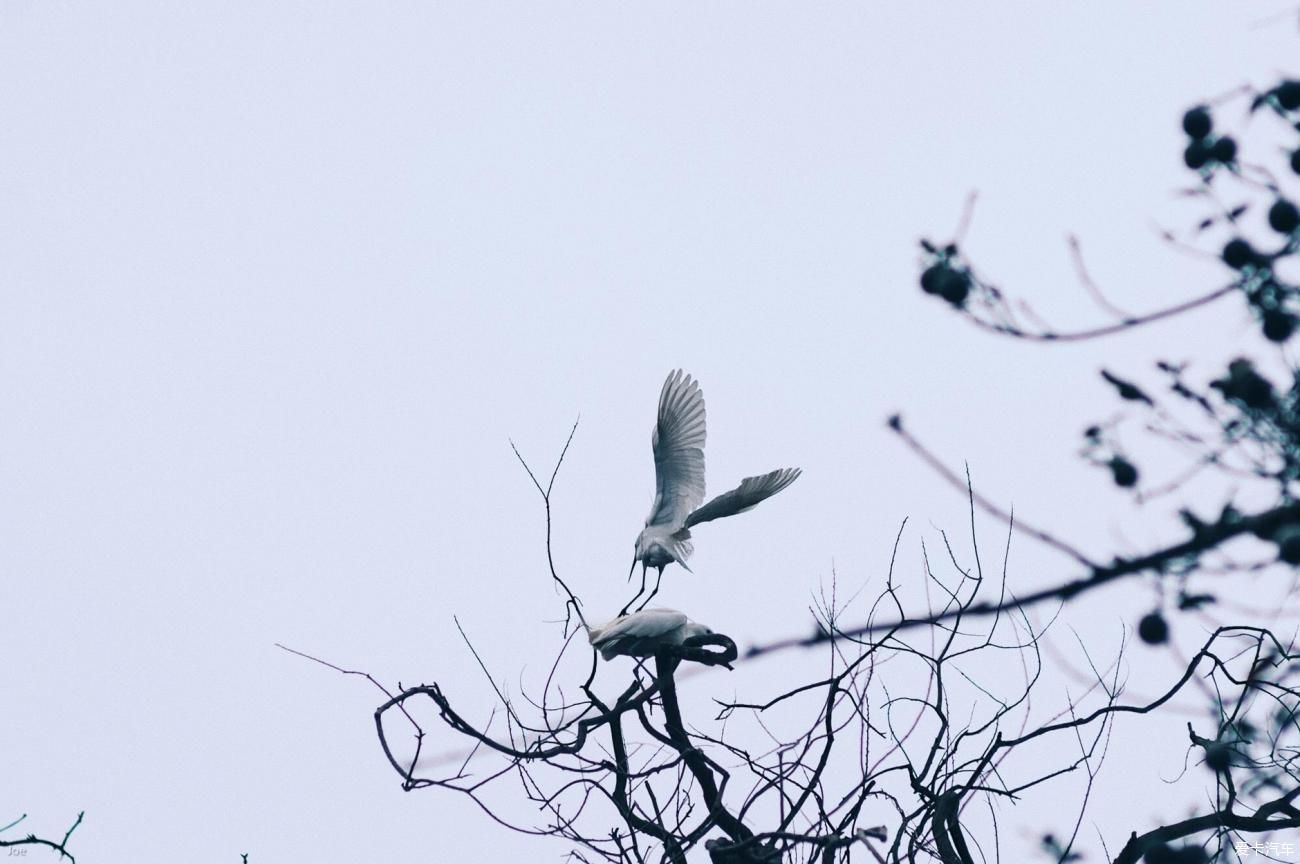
pixel 658 578
pixel 638 594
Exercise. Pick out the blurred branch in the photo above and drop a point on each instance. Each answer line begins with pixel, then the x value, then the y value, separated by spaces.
pixel 1015 332
pixel 1208 536
pixel 896 424
pixel 1139 845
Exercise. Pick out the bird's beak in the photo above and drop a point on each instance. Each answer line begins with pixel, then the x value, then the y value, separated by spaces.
pixel 631 569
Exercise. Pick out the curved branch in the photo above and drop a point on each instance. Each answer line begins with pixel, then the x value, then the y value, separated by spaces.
pixel 61 846
pixel 947 830
pixel 700 766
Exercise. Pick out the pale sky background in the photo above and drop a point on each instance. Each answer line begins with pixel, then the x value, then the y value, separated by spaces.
pixel 278 281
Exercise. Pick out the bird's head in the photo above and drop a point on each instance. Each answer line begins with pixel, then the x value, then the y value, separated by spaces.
pixel 693 629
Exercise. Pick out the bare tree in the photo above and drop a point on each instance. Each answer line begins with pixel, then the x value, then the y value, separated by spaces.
pixel 908 741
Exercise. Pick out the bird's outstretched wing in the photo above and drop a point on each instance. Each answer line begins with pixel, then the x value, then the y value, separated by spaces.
pixel 678 444
pixel 637 635
pixel 745 496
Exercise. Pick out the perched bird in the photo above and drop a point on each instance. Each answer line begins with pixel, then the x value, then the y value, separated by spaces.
pixel 678 445
pixel 643 633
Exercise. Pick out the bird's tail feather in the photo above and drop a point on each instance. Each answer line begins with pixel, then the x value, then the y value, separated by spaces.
pixel 682 547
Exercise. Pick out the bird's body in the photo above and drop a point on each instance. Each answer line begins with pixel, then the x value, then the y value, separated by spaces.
pixel 643 633
pixel 661 545
pixel 678 445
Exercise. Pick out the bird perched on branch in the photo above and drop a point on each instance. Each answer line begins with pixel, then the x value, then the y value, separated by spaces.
pixel 643 633
pixel 678 445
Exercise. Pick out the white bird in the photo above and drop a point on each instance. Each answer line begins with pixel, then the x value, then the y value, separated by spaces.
pixel 678 444
pixel 643 633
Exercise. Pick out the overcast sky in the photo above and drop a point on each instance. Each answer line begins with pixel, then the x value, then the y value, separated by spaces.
pixel 279 280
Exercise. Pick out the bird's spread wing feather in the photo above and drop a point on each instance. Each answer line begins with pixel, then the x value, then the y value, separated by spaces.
pixel 745 496
pixel 678 444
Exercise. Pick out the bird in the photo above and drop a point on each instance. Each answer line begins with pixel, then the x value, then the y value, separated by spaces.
pixel 678 446
pixel 643 633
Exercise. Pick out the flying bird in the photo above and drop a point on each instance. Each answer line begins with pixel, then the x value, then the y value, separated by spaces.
pixel 643 633
pixel 678 445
